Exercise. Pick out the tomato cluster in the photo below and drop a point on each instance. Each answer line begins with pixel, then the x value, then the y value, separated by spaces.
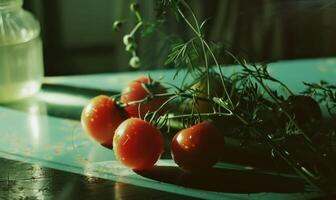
pixel 137 143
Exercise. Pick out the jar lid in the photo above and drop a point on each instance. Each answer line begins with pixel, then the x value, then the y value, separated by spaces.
pixel 16 27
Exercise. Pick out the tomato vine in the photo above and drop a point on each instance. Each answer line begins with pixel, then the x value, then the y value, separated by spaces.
pixel 263 114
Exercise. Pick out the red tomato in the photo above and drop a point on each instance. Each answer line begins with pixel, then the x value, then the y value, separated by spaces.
pixel 197 147
pixel 101 117
pixel 304 109
pixel 135 91
pixel 137 144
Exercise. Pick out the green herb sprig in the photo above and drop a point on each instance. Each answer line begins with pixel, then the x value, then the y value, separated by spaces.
pixel 245 97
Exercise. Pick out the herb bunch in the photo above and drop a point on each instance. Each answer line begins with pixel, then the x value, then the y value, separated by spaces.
pixel 244 104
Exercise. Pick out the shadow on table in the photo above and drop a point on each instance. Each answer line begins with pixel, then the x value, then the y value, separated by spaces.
pixel 224 180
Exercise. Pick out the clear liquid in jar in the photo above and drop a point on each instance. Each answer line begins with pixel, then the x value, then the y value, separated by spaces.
pixel 21 70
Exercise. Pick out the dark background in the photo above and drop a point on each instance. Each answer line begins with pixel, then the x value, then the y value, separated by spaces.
pixel 78 36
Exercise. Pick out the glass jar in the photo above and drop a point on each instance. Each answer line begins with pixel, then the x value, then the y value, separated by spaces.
pixel 21 61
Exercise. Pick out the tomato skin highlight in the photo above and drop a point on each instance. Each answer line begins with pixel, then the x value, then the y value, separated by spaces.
pixel 100 118
pixel 198 147
pixel 138 144
pixel 135 91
